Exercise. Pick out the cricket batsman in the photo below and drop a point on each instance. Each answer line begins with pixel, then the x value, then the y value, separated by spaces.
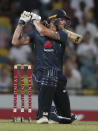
pixel 49 43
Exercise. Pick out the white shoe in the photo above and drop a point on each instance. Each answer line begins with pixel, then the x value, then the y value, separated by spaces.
pixel 43 120
pixel 52 122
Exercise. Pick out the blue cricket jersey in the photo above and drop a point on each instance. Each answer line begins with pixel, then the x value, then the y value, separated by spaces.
pixel 48 52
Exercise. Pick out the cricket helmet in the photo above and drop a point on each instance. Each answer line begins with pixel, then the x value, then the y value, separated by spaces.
pixel 55 15
pixel 58 13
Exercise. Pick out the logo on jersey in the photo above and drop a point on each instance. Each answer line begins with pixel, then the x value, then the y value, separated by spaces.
pixel 48 47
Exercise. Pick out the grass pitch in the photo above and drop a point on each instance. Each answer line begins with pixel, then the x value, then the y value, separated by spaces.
pixel 6 125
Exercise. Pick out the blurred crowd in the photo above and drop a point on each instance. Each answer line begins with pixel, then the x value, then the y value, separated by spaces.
pixel 80 61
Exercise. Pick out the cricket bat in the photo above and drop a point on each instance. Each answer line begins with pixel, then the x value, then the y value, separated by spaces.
pixel 74 37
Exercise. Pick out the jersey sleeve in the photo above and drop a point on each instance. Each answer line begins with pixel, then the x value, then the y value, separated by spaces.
pixel 63 37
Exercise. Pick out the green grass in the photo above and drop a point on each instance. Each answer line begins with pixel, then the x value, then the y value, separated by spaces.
pixel 76 126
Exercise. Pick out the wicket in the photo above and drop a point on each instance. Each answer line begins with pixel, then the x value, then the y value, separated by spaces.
pixel 29 73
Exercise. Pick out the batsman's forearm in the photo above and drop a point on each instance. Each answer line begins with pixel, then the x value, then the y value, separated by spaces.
pixel 39 27
pixel 17 34
pixel 46 31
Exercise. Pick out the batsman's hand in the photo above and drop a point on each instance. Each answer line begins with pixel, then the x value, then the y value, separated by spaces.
pixel 25 18
pixel 35 17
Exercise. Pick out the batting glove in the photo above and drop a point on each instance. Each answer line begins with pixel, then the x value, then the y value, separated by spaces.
pixel 25 18
pixel 35 17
